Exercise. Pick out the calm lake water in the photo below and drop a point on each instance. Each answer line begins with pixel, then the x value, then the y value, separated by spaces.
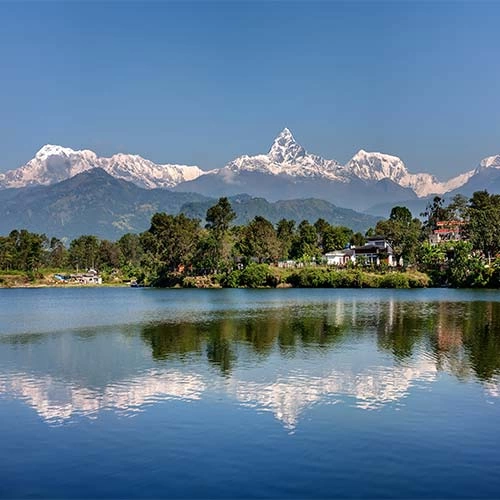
pixel 249 393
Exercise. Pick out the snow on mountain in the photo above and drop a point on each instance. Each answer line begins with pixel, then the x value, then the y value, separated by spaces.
pixel 53 164
pixel 488 162
pixel 377 166
pixel 287 157
pixel 147 174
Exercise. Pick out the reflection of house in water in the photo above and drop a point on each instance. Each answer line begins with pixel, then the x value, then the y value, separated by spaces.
pixel 449 330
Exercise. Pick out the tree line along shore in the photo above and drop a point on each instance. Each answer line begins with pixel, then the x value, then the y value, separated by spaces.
pixel 454 244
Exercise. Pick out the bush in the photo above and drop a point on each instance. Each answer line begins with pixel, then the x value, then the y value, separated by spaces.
pixel 232 280
pixel 395 280
pixel 418 280
pixel 310 278
pixel 256 275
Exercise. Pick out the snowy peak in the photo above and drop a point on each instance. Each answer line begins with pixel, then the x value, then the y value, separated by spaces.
pixel 53 164
pixel 285 148
pixel 489 162
pixel 49 150
pixel 286 157
pixel 376 166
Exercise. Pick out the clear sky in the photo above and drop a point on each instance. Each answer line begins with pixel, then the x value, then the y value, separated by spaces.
pixel 203 82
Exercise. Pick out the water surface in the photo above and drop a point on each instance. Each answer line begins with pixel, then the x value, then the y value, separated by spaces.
pixel 249 393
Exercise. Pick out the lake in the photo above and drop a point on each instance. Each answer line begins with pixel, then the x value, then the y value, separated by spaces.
pixel 294 393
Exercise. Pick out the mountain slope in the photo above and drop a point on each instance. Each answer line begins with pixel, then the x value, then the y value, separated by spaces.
pixel 355 194
pixel 94 202
pixel 485 176
pixel 247 207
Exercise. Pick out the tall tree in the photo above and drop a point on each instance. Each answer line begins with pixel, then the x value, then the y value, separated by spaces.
pixel 285 231
pixel 305 243
pixel 483 223
pixel 259 240
pixel 402 232
pixel 171 241
pixel 433 213
pixel 219 218
pixel 83 252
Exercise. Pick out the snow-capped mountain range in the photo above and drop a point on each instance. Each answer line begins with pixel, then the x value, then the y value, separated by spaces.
pixel 286 159
pixel 54 164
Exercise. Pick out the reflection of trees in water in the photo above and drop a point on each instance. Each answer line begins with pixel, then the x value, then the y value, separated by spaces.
pixel 221 336
pixel 462 337
pixel 402 325
pixel 481 338
pixel 173 340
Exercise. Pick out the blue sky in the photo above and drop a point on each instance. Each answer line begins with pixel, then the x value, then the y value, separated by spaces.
pixel 204 82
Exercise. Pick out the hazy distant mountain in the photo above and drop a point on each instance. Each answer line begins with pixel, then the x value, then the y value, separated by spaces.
pixel 247 207
pixel 485 176
pixel 95 202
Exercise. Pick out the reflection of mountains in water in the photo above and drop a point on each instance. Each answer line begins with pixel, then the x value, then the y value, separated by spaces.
pixel 56 401
pixel 278 361
pixel 287 397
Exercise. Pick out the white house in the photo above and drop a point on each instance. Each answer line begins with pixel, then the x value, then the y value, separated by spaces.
pixel 339 257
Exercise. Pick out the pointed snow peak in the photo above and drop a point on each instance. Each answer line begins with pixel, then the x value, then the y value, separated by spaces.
pixel 285 133
pixel 285 148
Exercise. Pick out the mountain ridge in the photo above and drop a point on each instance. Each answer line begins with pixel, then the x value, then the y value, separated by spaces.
pixel 95 202
pixel 287 168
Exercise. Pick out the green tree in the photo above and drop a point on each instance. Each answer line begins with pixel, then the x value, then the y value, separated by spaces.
pixel 219 218
pixel 402 232
pixel 335 238
pixel 285 231
pixel 483 223
pixel 131 251
pixel 305 243
pixel 170 242
pixel 358 240
pixel 434 212
pixel 432 260
pixel 109 255
pixel 259 240
pixel 58 254
pixel 83 252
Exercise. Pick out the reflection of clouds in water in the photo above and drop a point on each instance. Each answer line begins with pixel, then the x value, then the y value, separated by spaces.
pixel 56 401
pixel 288 397
pixel 492 388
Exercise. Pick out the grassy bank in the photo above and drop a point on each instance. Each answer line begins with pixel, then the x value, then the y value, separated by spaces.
pixel 253 276
pixel 262 275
